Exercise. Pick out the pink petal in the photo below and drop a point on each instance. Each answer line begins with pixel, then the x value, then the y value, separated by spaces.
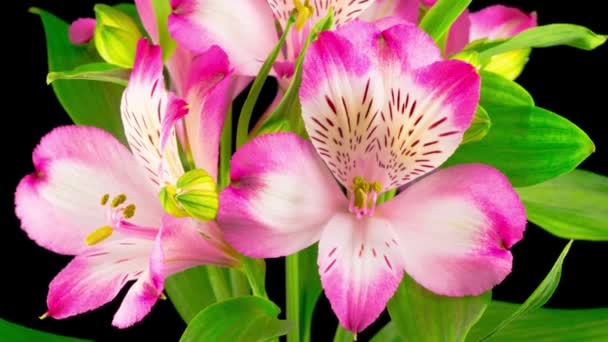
pixel 360 268
pixel 208 92
pixel 280 197
pixel 145 104
pixel 455 227
pixel 144 293
pixel 340 106
pixel 343 10
pixel 96 276
pixel 59 204
pixel 426 113
pixel 497 22
pixel 187 242
pixel 458 37
pixel 145 9
pixel 389 119
pixel 81 31
pixel 380 10
pixel 178 66
pixel 243 28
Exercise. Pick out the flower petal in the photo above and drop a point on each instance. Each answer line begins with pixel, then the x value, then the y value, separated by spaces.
pixel 96 276
pixel 341 99
pixel 382 9
pixel 144 293
pixel 455 227
pixel 458 37
pixel 426 115
pixel 243 28
pixel 59 204
pixel 81 31
pixel 145 9
pixel 343 10
pixel 187 242
pixel 360 268
pixel 280 197
pixel 145 104
pixel 498 22
pixel 208 93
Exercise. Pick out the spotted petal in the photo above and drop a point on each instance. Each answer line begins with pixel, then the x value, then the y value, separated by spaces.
pixel 389 118
pixel 96 276
pixel 360 268
pixel 59 204
pixel 145 106
pixel 455 227
pixel 280 196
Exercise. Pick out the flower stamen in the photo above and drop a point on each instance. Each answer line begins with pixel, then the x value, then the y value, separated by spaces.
pixel 363 196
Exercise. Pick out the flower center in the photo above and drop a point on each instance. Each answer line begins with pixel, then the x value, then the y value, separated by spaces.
pixel 118 212
pixel 363 196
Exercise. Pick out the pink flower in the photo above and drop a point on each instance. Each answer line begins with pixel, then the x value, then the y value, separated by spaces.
pixel 382 110
pixel 93 198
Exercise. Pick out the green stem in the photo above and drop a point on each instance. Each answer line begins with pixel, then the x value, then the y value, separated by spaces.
pixel 223 176
pixel 255 270
pixel 292 279
pixel 343 335
pixel 217 279
pixel 239 282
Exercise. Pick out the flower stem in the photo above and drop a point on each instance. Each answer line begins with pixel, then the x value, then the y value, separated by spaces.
pixel 223 176
pixel 255 270
pixel 292 280
pixel 219 284
pixel 239 282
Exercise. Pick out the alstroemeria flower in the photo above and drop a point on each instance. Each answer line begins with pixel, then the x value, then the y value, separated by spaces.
pixel 93 198
pixel 382 109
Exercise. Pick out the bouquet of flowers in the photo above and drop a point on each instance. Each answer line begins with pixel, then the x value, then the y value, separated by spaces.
pixel 395 165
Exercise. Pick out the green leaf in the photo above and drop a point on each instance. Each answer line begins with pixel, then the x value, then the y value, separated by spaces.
pixel 479 126
pixel 497 91
pixel 388 333
pixel 539 297
pixel 11 332
pixel 546 36
pixel 244 319
pixel 542 325
pixel 509 64
pixel 190 291
pixel 421 315
pixel 94 72
pixel 438 20
pixel 572 206
pixel 528 144
pixel 242 129
pixel 87 102
pixel 162 10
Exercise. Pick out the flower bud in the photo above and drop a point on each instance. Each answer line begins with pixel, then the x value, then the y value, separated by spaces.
pixel 116 36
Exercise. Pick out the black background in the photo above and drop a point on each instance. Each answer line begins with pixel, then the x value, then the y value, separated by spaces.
pixel 565 80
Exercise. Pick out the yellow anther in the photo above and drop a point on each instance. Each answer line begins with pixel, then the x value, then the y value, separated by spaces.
pixel 43 316
pixel 104 199
pixel 129 211
pixel 98 235
pixel 162 296
pixel 118 200
pixel 362 190
pixel 305 12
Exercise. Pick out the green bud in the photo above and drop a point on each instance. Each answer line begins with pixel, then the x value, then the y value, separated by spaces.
pixel 469 56
pixel 198 195
pixel 509 64
pixel 116 36
pixel 479 126
pixel 167 199
pixel 195 195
